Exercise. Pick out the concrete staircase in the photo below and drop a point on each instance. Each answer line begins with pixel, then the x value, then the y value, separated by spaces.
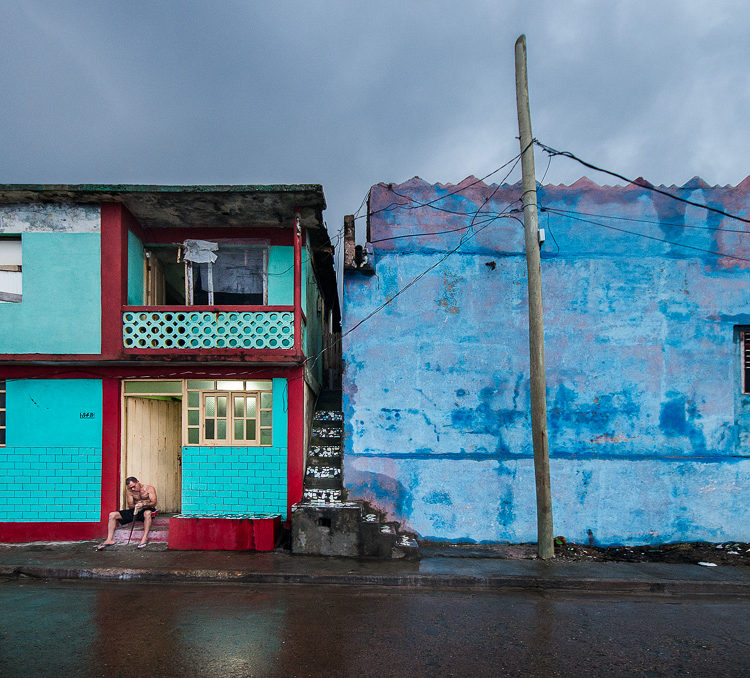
pixel 324 523
pixel 159 531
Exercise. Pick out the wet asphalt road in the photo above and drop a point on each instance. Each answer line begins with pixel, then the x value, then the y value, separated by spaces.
pixel 122 629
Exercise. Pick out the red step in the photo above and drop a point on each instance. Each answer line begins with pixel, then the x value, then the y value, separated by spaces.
pixel 159 531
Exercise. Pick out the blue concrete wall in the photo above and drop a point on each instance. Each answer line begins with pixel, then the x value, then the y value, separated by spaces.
pixel 135 270
pixel 646 439
pixel 239 479
pixel 51 468
pixel 61 307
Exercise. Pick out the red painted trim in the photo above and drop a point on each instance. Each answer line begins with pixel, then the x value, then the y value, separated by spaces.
pixel 144 356
pixel 223 534
pixel 295 460
pixel 133 225
pixel 145 371
pixel 25 532
pixel 207 309
pixel 53 357
pixel 298 284
pixel 111 442
pixel 114 261
pixel 262 236
pixel 241 356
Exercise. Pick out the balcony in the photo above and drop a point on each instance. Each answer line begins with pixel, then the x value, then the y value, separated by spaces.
pixel 183 330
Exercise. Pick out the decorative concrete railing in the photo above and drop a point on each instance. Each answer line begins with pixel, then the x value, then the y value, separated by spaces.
pixel 191 330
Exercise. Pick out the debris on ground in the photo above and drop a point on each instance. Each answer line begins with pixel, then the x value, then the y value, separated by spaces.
pixel 728 553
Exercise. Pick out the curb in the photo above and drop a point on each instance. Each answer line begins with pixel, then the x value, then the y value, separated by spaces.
pixel 420 581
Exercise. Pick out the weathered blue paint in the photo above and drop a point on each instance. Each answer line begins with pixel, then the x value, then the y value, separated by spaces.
pixel 649 434
pixel 135 270
pixel 61 307
pixel 54 444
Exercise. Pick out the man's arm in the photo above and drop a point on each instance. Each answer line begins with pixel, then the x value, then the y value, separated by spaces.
pixel 129 499
pixel 149 503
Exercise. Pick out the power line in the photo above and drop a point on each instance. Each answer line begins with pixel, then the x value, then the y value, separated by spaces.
pixel 465 238
pixel 417 205
pixel 650 237
pixel 651 221
pixel 393 205
pixel 636 182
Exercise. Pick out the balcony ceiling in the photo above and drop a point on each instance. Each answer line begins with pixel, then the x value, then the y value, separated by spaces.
pixel 188 206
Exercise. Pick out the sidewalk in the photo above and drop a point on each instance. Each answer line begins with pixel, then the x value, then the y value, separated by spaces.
pixel 156 564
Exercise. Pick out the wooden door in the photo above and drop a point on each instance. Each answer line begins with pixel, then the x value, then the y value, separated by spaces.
pixel 155 281
pixel 153 448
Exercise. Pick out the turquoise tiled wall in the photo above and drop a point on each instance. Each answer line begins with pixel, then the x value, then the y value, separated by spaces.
pixel 234 480
pixel 240 479
pixel 51 468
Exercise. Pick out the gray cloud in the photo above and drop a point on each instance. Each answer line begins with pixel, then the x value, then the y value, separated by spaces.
pixel 351 93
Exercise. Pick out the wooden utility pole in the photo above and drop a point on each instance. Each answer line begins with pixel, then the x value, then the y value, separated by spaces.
pixel 545 545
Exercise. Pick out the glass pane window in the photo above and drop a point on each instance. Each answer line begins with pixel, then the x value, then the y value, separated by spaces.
pixel 155 387
pixel 214 417
pixel 234 417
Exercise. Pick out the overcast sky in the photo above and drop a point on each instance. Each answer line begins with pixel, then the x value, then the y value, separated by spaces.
pixel 347 94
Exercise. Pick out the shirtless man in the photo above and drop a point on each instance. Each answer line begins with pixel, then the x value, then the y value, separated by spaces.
pixel 141 500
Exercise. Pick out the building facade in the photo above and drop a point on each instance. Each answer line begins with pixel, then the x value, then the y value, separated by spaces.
pixel 172 333
pixel 647 324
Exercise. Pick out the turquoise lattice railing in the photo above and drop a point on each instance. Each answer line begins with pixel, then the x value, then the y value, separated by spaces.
pixel 203 329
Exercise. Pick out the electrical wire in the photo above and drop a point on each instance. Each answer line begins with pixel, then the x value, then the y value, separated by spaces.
pixel 650 221
pixel 642 183
pixel 460 189
pixel 650 237
pixel 474 214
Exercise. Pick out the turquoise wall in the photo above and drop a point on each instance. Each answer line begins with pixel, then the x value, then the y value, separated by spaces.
pixel 280 276
pixel 313 340
pixel 51 468
pixel 135 270
pixel 240 479
pixel 61 307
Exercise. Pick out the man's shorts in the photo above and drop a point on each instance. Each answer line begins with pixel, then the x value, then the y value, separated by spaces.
pixel 127 515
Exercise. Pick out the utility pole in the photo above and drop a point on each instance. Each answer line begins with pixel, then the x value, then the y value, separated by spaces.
pixel 545 545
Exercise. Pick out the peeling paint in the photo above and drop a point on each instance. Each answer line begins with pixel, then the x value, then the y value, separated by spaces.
pixel 649 434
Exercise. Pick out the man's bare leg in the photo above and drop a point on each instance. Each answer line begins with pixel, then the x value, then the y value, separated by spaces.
pixel 111 527
pixel 146 526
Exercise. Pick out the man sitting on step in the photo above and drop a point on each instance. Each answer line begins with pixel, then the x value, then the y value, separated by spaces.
pixel 141 500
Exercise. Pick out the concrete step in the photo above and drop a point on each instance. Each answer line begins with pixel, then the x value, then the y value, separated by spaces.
pixel 321 496
pixel 323 470
pixel 324 452
pixel 333 417
pixel 159 531
pixel 313 483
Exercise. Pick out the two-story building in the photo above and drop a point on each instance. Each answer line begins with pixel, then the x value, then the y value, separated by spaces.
pixel 173 333
pixel 647 343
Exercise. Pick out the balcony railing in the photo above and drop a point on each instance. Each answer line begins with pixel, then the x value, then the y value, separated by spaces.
pixel 191 328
